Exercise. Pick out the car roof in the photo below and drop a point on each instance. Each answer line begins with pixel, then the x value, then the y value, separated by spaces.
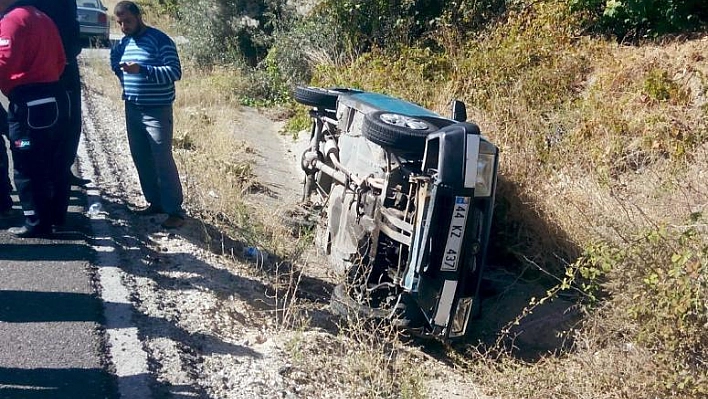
pixel 383 102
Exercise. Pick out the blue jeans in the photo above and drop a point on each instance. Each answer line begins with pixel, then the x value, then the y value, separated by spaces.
pixel 150 139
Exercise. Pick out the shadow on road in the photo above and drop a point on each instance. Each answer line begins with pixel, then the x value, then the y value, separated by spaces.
pixel 35 251
pixel 43 383
pixel 33 306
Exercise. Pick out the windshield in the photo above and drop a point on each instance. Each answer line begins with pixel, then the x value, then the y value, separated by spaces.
pixel 88 3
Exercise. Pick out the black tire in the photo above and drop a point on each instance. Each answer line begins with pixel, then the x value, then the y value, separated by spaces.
pixel 401 317
pixel 320 98
pixel 343 305
pixel 397 132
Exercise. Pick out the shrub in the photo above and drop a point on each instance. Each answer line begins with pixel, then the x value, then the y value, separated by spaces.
pixel 658 279
pixel 303 42
pixel 169 7
pixel 368 23
pixel 266 84
pixel 472 15
pixel 643 18
pixel 520 76
pixel 230 31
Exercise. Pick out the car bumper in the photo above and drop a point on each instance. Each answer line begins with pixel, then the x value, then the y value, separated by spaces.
pixel 449 243
pixel 94 31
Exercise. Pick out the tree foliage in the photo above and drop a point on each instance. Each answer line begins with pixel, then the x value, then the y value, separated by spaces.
pixel 244 31
pixel 230 31
pixel 380 23
pixel 637 19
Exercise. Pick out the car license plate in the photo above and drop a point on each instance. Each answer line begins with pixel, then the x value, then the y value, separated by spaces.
pixel 90 18
pixel 456 234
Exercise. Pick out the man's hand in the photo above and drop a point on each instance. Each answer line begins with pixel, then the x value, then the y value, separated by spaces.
pixel 130 67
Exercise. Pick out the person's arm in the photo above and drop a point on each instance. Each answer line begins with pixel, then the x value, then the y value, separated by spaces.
pixel 170 68
pixel 9 62
pixel 116 55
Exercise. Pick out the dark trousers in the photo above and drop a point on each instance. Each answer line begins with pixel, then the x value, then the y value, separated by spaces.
pixel 5 185
pixel 71 80
pixel 37 120
pixel 150 130
pixel 72 83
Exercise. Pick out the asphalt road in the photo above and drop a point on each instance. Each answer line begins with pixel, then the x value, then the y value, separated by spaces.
pixel 58 338
pixel 51 340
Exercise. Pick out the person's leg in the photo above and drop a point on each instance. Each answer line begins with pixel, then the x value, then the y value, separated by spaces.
pixel 26 173
pixel 72 82
pixel 42 168
pixel 36 116
pixel 60 159
pixel 5 184
pixel 140 149
pixel 159 124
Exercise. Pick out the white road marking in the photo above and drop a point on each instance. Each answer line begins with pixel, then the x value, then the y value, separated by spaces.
pixel 125 350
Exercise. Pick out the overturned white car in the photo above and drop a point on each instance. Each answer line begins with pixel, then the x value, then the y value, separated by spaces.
pixel 405 199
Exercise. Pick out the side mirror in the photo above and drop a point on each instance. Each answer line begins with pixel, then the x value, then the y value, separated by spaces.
pixel 459 111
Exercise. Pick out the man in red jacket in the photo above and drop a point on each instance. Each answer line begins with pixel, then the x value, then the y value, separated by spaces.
pixel 31 61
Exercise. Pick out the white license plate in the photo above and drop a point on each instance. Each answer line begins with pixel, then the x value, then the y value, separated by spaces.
pixel 456 234
pixel 87 18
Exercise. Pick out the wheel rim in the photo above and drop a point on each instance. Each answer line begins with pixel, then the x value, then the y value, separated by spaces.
pixel 404 121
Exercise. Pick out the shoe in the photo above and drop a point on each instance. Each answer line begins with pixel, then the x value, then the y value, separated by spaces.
pixel 78 181
pixel 149 210
pixel 173 222
pixel 29 232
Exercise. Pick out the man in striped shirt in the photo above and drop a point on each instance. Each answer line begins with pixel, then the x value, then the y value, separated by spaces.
pixel 147 65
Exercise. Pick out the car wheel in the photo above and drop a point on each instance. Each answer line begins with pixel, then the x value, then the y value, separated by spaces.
pixel 396 131
pixel 342 304
pixel 321 98
pixel 399 316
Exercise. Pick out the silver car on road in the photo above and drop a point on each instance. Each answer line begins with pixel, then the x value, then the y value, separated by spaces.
pixel 93 21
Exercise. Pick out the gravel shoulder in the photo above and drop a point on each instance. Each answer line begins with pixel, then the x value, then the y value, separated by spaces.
pixel 204 324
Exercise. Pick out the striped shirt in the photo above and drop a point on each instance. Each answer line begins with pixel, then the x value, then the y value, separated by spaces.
pixel 159 64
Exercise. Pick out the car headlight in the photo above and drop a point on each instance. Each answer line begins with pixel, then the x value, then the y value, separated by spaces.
pixel 461 317
pixel 485 175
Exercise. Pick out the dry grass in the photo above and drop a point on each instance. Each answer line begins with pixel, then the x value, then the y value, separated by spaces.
pixel 106 84
pixel 359 361
pixel 213 164
pixel 600 144
pixel 364 361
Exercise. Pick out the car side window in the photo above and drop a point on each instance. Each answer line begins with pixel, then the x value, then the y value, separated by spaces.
pixel 87 4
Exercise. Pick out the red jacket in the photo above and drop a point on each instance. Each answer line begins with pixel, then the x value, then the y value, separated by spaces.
pixel 30 49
